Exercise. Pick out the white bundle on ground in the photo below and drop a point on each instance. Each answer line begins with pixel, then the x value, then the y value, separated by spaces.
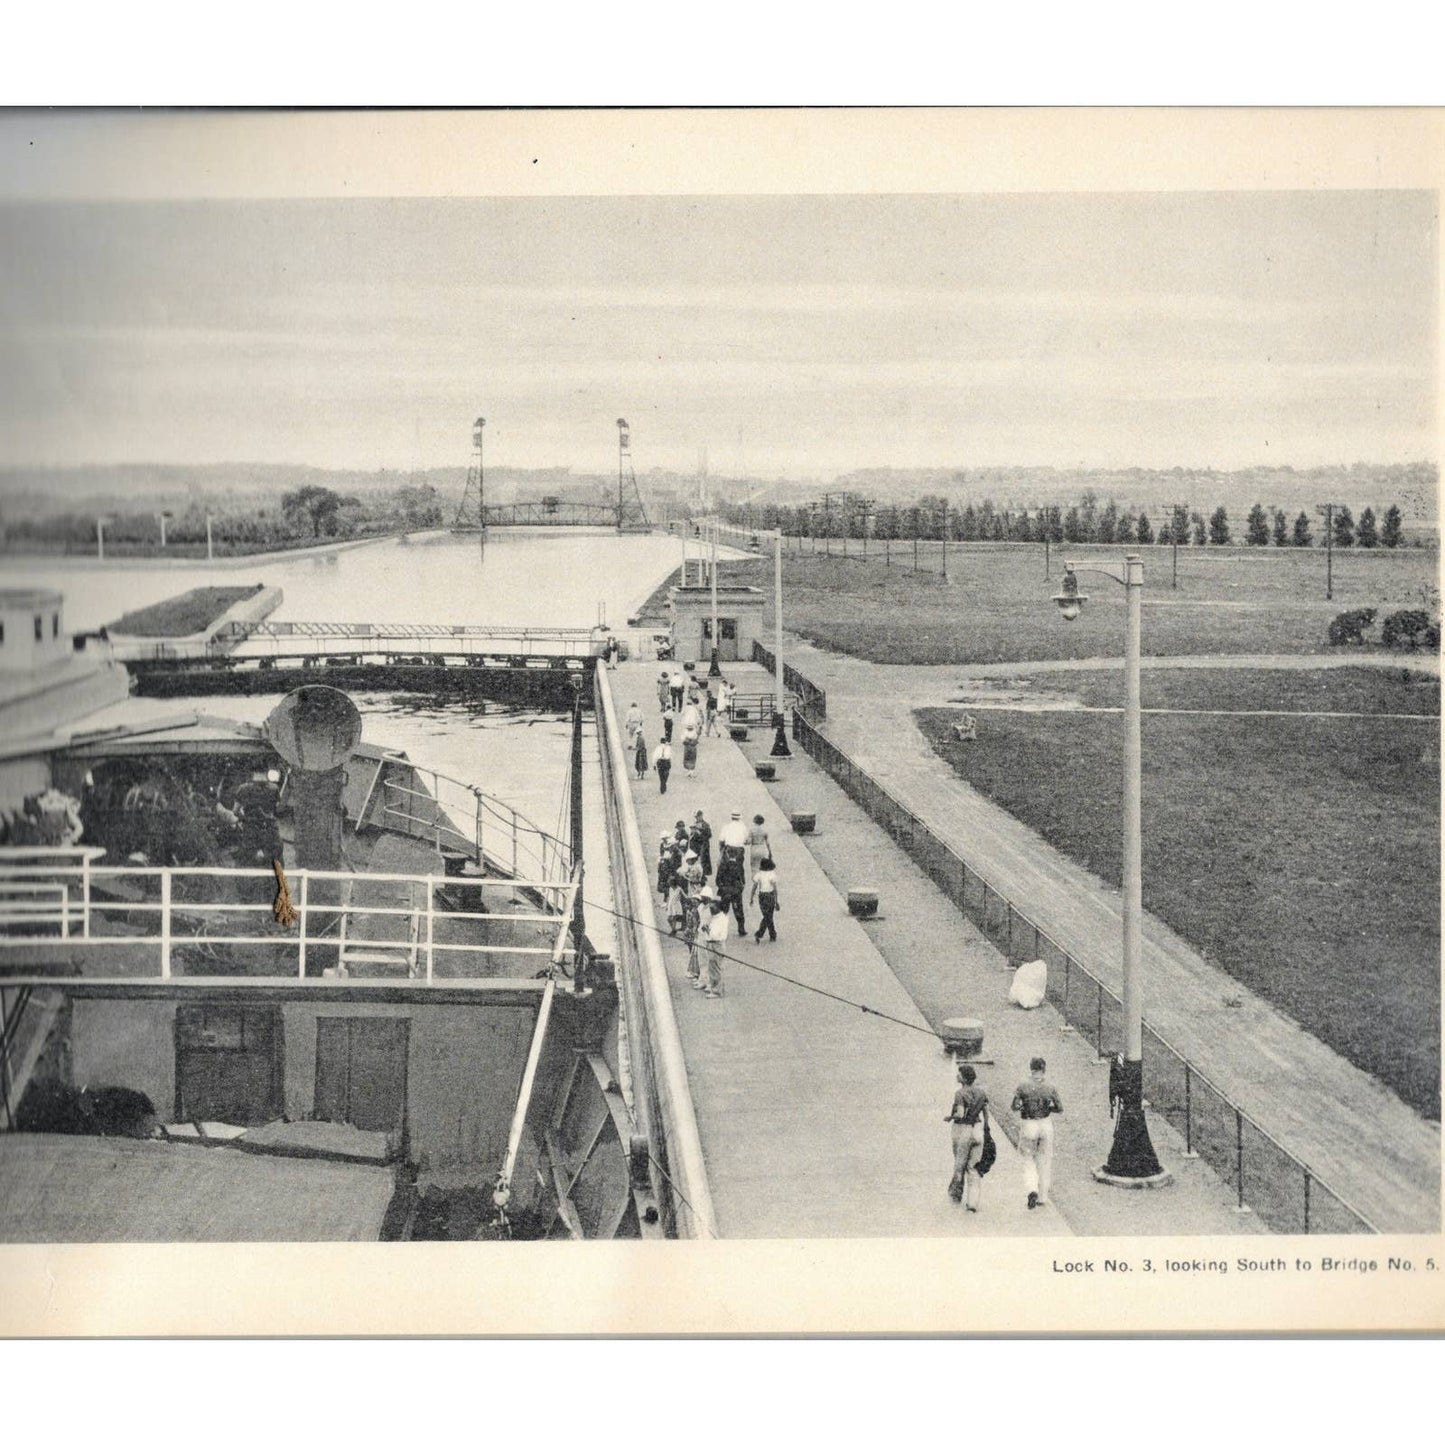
pixel 1030 985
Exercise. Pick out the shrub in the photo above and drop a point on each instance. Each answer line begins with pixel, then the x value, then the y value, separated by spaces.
pixel 1349 627
pixel 1405 628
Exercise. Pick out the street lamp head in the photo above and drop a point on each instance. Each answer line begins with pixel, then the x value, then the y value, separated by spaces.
pixel 1070 600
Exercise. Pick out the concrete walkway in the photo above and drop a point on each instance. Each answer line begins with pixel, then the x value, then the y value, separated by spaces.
pixel 949 968
pixel 1350 1129
pixel 817 1119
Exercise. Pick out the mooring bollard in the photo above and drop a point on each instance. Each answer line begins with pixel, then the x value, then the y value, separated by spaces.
pixel 803 822
pixel 766 772
pixel 863 902
pixel 963 1037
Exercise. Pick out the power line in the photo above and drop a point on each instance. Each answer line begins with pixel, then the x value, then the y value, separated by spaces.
pixel 781 977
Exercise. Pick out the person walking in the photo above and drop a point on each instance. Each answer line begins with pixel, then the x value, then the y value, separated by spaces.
pixel 765 890
pixel 689 750
pixel 758 845
pixel 730 883
pixel 633 721
pixel 1036 1101
pixel 701 838
pixel 666 864
pixel 710 707
pixel 970 1108
pixel 716 939
pixel 677 896
pixel 691 717
pixel 691 918
pixel 639 755
pixel 726 693
pixel 675 685
pixel 664 691
pixel 662 761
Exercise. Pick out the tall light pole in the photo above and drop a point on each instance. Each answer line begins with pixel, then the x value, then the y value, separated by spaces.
pixel 163 518
pixel 780 738
pixel 100 538
pixel 714 670
pixel 210 549
pixel 478 429
pixel 1132 1161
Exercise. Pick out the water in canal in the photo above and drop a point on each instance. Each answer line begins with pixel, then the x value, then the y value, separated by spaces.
pixel 540 578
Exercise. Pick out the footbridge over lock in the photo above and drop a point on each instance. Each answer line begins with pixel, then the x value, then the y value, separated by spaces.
pixel 537 666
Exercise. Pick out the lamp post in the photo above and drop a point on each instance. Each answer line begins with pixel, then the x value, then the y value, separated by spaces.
pixel 210 548
pixel 714 670
pixel 100 538
pixel 780 735
pixel 1132 1161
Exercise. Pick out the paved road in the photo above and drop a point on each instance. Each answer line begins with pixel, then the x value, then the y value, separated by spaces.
pixel 1383 1157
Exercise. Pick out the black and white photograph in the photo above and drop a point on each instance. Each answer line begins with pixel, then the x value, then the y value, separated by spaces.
pixel 566 714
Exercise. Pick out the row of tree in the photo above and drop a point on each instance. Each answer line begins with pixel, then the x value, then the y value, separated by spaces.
pixel 307 514
pixel 933 518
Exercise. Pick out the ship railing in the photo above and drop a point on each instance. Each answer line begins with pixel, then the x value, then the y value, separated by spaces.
pixel 68 916
pixel 457 819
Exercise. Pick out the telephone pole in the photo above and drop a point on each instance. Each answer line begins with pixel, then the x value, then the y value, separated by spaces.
pixel 1327 511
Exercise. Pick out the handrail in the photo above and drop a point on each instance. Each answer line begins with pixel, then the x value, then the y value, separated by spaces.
pixel 524 1092
pixel 870 795
pixel 450 799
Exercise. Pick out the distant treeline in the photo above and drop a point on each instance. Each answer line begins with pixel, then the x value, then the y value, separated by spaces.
pixel 307 515
pixel 933 518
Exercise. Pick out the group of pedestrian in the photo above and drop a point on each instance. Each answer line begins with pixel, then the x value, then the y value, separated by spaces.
pixel 702 905
pixel 1035 1101
pixel 691 709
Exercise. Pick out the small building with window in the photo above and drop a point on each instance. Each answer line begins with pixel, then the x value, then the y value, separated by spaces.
pixel 739 621
pixel 32 629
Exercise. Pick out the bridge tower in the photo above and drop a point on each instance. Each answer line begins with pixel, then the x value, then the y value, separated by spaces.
pixel 631 514
pixel 472 517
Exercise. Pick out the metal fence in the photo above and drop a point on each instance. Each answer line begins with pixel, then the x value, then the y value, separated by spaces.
pixel 811 700
pixel 1266 1177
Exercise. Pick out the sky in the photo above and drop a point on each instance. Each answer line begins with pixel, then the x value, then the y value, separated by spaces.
pixel 799 336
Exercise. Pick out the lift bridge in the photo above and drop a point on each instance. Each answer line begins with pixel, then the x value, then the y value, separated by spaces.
pixel 625 511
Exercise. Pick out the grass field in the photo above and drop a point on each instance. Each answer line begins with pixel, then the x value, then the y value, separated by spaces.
pixel 1344 689
pixel 1301 855
pixel 192 611
pixel 995 604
